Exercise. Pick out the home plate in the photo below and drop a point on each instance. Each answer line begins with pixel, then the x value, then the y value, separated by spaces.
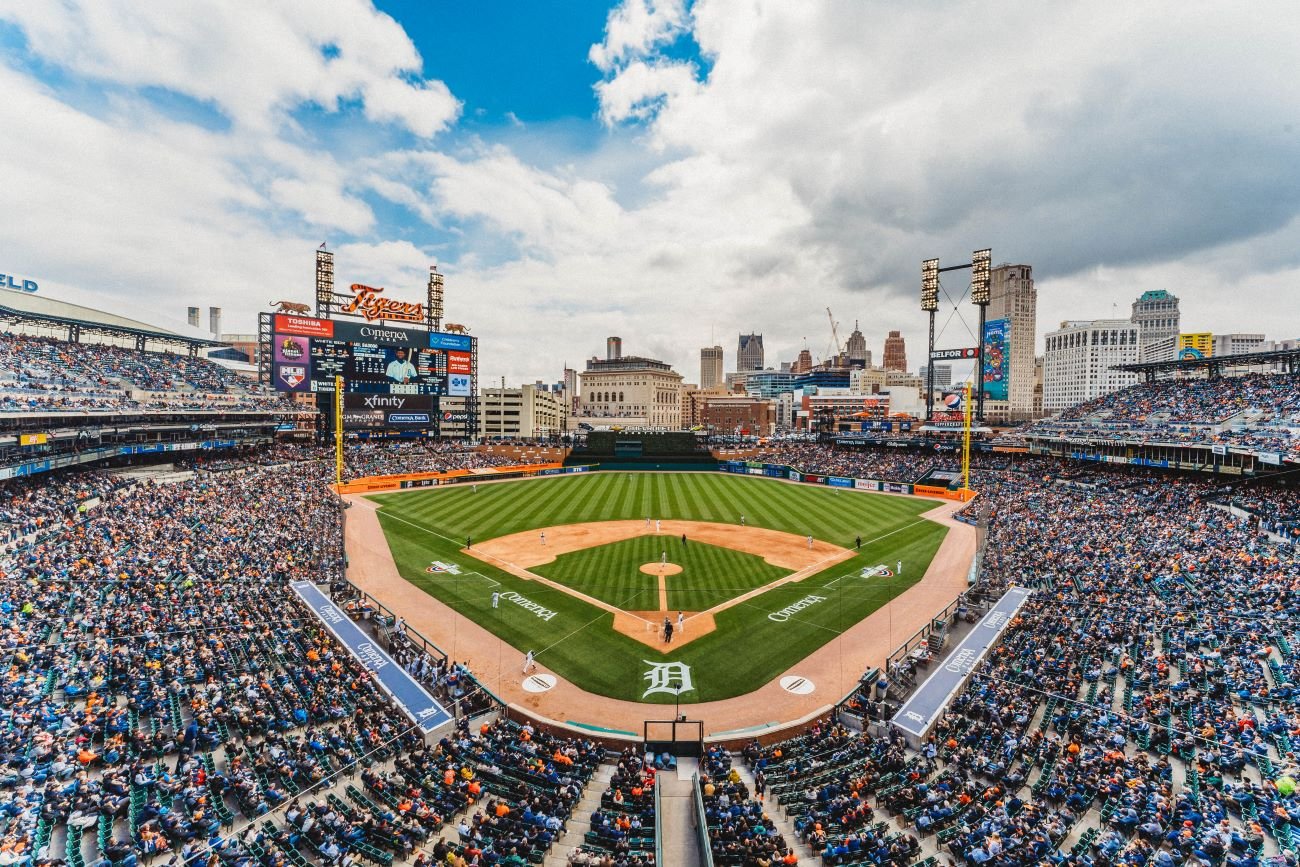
pixel 539 682
pixel 793 683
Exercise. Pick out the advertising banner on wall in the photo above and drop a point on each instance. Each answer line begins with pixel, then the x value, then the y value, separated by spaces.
pixel 996 360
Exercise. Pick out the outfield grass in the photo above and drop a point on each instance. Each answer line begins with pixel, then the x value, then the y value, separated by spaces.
pixel 745 651
pixel 710 575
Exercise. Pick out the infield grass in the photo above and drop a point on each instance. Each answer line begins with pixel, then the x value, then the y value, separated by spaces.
pixel 746 650
pixel 612 573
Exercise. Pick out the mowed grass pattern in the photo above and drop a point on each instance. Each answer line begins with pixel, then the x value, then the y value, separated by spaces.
pixel 612 573
pixel 746 650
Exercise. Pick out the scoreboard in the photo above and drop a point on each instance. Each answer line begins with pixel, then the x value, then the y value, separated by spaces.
pixel 375 361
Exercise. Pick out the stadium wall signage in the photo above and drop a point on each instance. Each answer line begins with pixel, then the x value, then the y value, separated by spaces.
pixel 9 281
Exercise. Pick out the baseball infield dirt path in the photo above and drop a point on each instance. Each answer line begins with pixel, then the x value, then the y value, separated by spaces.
pixel 834 668
pixel 519 553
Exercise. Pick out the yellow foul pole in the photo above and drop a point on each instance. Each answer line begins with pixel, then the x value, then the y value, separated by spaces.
pixel 965 452
pixel 338 430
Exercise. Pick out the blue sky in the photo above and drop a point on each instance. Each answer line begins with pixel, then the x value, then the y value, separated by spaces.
pixel 502 58
pixel 672 171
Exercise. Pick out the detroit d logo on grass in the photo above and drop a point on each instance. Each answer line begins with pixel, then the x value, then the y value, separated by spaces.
pixel 671 678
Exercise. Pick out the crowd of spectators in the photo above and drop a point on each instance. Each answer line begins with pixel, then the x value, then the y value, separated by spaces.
pixel 890 465
pixel 30 505
pixel 622 827
pixel 741 832
pixel 392 457
pixel 1257 412
pixel 166 687
pixel 1143 707
pixel 39 374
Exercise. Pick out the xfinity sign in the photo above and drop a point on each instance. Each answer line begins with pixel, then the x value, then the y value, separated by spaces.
pixel 9 281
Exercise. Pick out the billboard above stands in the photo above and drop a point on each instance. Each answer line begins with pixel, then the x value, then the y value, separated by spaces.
pixel 459 362
pixel 459 385
pixel 443 340
pixel 292 377
pixel 375 411
pixel 996 362
pixel 380 334
pixel 303 326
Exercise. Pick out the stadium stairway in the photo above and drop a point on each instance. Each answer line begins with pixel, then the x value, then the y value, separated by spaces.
pixel 580 820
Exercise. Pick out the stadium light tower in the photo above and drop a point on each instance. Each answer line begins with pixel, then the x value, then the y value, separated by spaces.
pixel 980 287
pixel 980 291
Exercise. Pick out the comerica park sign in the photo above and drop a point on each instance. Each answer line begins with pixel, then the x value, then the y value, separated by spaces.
pixel 9 281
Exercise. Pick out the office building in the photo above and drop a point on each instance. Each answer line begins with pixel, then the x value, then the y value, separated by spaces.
pixel 522 412
pixel 749 352
pixel 1195 344
pixel 1237 344
pixel 1012 297
pixel 613 348
pixel 711 370
pixel 856 349
pixel 868 380
pixel 1163 349
pixel 942 375
pixel 803 363
pixel 1080 359
pixel 895 351
pixel 631 391
pixel 768 383
pixel 739 414
pixel 1156 313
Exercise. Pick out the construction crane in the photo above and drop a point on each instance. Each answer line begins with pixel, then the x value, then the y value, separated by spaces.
pixel 835 335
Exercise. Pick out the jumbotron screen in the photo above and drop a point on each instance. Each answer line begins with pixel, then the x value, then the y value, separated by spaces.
pixel 308 354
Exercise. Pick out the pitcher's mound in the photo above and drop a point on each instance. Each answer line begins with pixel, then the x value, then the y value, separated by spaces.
pixel 661 568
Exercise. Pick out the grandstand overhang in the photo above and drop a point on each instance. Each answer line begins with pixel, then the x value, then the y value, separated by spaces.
pixel 1213 365
pixel 77 320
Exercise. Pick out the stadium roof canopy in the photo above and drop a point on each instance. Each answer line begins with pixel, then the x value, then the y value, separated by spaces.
pixel 1214 364
pixel 29 307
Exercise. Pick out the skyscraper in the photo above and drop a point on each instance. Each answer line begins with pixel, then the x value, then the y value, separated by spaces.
pixel 613 348
pixel 895 351
pixel 942 375
pixel 711 370
pixel 749 352
pixel 803 363
pixel 1156 313
pixel 856 349
pixel 1081 359
pixel 1012 297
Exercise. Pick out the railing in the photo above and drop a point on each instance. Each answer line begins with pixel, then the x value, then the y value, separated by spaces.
pixel 659 824
pixel 383 621
pixel 701 823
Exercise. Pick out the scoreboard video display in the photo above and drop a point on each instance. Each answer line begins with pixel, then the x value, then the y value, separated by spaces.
pixel 308 354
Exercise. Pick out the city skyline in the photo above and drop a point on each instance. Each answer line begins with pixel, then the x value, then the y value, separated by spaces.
pixel 624 168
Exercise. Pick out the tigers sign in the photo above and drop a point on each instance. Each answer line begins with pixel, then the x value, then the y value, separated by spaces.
pixel 367 302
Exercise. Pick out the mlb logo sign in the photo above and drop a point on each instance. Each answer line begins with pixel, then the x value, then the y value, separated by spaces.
pixel 292 375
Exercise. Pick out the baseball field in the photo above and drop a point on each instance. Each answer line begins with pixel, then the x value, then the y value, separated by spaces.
pixel 753 574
